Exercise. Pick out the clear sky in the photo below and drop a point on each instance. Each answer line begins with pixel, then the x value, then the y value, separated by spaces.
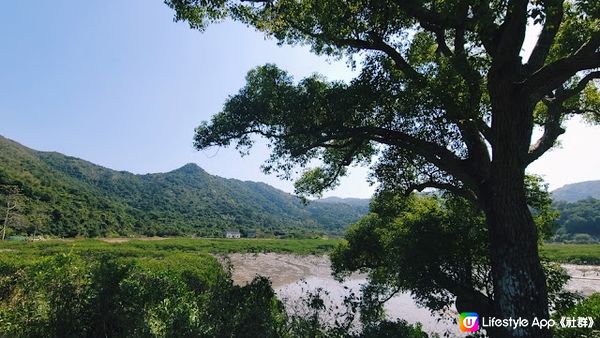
pixel 120 84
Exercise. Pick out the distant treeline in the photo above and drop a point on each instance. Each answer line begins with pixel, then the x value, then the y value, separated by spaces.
pixel 579 222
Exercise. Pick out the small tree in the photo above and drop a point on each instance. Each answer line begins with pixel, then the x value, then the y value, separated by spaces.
pixel 12 205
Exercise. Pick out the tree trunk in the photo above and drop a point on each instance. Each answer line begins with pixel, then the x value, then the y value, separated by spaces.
pixel 6 219
pixel 519 280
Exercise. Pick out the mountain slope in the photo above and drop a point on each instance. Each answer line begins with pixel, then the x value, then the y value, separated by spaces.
pixel 578 221
pixel 66 196
pixel 577 191
pixel 362 203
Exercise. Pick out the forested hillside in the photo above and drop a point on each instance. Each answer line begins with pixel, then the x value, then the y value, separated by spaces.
pixel 65 196
pixel 579 221
pixel 356 202
pixel 577 191
pixel 579 208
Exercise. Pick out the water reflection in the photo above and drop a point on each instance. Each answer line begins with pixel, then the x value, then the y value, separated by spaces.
pixel 402 306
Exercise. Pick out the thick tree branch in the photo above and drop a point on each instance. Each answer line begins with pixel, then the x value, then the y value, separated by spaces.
pixel 440 38
pixel 552 127
pixel 555 74
pixel 552 130
pixel 554 17
pixel 430 17
pixel 568 93
pixel 467 297
pixel 436 154
pixel 458 191
pixel 512 33
pixel 377 44
pixel 485 131
pixel 486 28
pixel 466 118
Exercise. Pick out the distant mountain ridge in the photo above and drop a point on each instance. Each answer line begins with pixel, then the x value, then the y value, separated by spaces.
pixel 67 196
pixel 356 202
pixel 577 191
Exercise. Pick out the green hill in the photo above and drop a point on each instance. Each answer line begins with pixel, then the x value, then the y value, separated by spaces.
pixel 67 196
pixel 577 191
pixel 362 203
pixel 579 221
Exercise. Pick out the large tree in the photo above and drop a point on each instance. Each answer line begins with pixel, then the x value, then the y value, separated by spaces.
pixel 446 98
pixel 436 247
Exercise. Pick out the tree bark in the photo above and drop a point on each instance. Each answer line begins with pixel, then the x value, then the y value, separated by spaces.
pixel 519 280
pixel 6 219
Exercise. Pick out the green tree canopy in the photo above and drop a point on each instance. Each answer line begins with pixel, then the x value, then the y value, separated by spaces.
pixel 445 98
pixel 437 248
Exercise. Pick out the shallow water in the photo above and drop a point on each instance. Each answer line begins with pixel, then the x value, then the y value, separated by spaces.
pixel 292 276
pixel 401 306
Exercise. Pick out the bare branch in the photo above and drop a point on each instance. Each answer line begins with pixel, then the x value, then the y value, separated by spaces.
pixel 393 293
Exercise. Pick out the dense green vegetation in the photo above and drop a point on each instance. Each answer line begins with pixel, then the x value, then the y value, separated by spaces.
pixel 166 246
pixel 579 221
pixel 571 253
pixel 577 191
pixel 434 246
pixel 171 287
pixel 94 289
pixel 589 307
pixel 562 253
pixel 68 197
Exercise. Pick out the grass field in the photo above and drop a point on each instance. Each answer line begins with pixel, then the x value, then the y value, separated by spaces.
pixel 183 245
pixel 562 253
pixel 572 253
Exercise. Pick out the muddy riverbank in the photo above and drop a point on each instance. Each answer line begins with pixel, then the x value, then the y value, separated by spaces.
pixel 293 275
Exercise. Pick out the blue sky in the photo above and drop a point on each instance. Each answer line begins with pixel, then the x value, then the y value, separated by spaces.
pixel 120 84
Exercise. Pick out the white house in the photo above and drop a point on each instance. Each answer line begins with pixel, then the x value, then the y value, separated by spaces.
pixel 232 234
